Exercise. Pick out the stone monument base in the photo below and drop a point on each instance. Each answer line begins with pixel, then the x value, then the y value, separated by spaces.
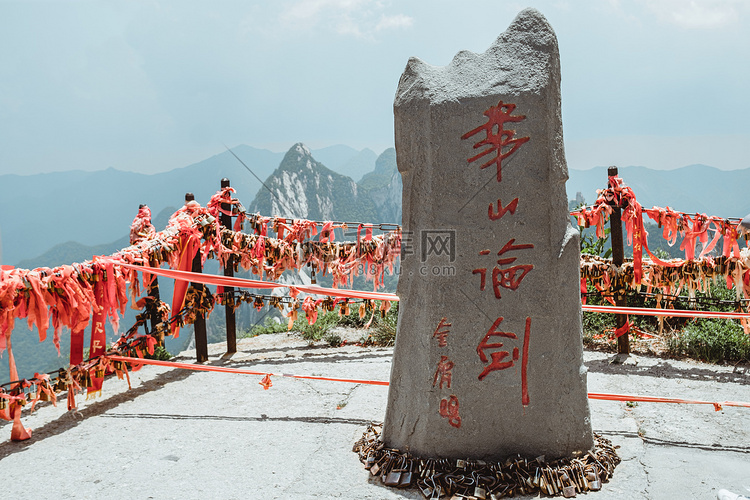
pixel 487 480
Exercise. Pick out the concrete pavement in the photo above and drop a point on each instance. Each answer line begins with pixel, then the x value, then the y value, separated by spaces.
pixel 196 435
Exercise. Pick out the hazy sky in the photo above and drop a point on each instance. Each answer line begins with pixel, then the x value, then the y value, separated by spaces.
pixel 154 85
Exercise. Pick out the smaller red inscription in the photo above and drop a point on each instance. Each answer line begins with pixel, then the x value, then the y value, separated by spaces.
pixel 441 332
pixel 443 372
pixel 449 410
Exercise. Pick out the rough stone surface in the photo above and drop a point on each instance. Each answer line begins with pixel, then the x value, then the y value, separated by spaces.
pixel 455 392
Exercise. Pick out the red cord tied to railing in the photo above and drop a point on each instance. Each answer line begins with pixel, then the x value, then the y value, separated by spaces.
pixel 266 382
pixel 212 279
pixel 693 228
pixel 619 332
pixel 674 313
pixel 653 399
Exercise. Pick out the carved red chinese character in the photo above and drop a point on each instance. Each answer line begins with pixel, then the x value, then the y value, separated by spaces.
pixel 500 360
pixel 496 136
pixel 495 215
pixel 441 332
pixel 443 371
pixel 509 247
pixel 449 410
pixel 509 277
pixel 497 356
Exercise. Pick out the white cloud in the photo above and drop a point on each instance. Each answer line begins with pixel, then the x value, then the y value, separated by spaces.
pixel 394 22
pixel 346 25
pixel 310 10
pixel 358 18
pixel 697 13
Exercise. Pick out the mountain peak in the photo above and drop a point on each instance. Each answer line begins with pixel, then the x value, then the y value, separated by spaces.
pixel 301 150
pixel 299 158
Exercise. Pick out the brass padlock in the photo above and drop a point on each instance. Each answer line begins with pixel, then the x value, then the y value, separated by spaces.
pixel 3 403
pixel 375 469
pixel 426 466
pixel 99 371
pixel 569 491
pixel 480 492
pixel 32 392
pixel 426 491
pixel 393 478
pixel 406 478
pixel 595 485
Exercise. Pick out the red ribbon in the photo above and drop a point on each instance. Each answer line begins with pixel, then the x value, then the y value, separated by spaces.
pixel 619 332
pixel 189 245
pixel 98 342
pixel 213 279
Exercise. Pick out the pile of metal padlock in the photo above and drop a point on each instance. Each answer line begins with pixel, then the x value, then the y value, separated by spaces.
pixel 484 480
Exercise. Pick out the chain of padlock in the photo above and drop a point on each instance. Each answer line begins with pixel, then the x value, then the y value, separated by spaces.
pixel 486 480
pixel 81 376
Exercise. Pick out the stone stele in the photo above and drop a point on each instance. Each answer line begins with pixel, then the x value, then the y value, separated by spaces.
pixel 489 360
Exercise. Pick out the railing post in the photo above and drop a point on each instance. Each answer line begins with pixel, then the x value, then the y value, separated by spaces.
pixel 618 256
pixel 199 327
pixel 226 221
pixel 153 292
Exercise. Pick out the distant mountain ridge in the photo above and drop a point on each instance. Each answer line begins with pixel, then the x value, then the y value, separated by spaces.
pixel 91 208
pixel 72 251
pixel 384 187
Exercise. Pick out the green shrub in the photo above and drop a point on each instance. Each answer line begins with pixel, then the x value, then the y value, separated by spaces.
pixel 353 320
pixel 592 245
pixel 383 330
pixel 269 326
pixel 333 339
pixel 595 324
pixel 712 340
pixel 319 329
pixel 160 353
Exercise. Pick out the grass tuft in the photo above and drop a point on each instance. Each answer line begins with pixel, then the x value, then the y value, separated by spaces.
pixel 712 340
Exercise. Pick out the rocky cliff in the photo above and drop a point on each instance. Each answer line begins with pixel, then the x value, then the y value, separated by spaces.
pixel 302 187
